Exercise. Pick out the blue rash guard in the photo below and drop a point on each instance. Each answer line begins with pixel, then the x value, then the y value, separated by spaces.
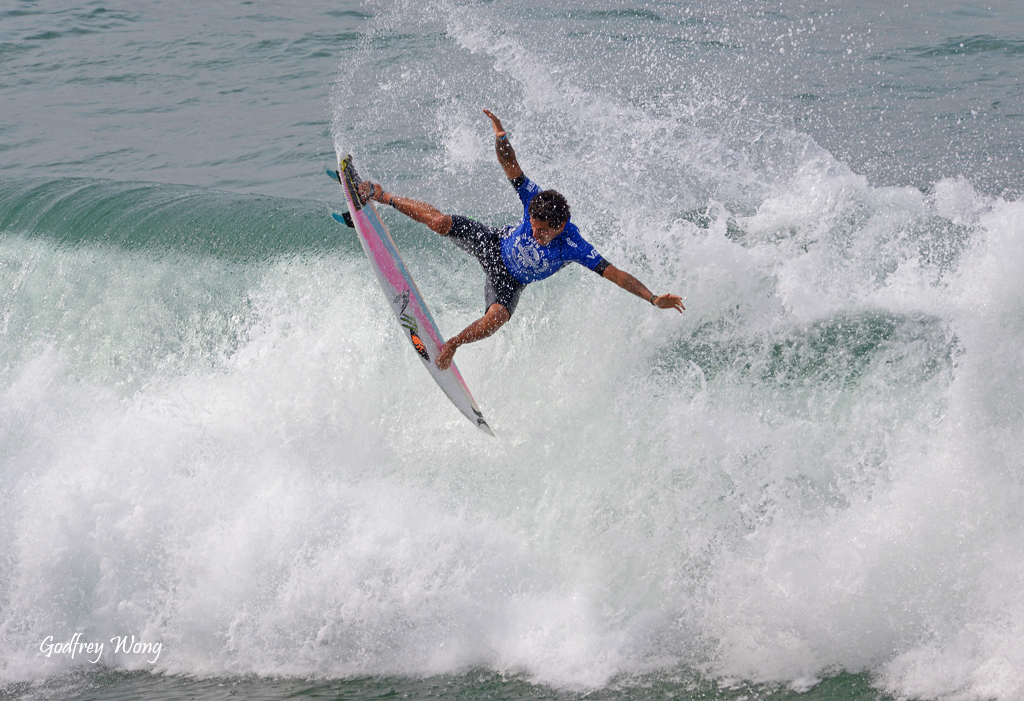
pixel 528 261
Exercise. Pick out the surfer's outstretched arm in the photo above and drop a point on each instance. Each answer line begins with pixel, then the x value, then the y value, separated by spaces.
pixel 631 284
pixel 506 154
pixel 483 327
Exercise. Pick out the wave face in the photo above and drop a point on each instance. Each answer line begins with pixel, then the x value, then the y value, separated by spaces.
pixel 212 436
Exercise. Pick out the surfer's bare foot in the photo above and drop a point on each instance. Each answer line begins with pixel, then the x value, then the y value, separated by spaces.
pixel 370 191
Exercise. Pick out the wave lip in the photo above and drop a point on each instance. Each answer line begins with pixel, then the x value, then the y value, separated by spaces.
pixel 164 218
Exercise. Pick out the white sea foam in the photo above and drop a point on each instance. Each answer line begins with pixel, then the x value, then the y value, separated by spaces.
pixel 760 489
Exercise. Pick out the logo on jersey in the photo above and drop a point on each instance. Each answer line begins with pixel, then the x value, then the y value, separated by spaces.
pixel 530 256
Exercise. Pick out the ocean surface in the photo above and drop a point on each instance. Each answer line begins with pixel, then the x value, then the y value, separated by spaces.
pixel 223 473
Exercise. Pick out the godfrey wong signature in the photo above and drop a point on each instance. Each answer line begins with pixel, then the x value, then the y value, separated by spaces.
pixel 122 643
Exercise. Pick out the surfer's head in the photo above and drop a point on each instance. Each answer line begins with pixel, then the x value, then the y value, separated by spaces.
pixel 549 213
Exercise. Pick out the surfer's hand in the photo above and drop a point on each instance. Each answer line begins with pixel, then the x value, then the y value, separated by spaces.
pixel 669 302
pixel 492 320
pixel 496 123
pixel 444 358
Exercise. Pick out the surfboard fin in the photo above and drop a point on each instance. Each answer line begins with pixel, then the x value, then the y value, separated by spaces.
pixel 343 218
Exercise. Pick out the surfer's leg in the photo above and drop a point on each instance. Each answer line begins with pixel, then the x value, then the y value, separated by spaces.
pixel 501 288
pixel 414 209
pixel 422 212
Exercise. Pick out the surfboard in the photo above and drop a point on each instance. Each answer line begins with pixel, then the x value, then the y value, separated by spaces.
pixel 402 294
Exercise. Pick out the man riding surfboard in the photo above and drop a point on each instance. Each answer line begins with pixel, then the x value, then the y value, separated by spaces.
pixel 543 242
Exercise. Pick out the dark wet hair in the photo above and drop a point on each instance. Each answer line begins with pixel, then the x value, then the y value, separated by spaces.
pixel 549 206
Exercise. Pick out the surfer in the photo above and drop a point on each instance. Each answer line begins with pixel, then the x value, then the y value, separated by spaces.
pixel 512 257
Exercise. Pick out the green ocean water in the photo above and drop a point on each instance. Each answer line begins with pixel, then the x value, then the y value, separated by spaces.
pixel 212 437
pixel 472 685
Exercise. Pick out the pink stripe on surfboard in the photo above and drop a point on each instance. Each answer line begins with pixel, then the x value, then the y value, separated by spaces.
pixel 389 267
pixel 393 274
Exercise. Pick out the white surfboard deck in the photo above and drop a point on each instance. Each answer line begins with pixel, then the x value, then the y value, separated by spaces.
pixel 403 296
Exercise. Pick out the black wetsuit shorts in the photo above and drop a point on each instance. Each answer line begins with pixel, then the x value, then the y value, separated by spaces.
pixel 484 243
